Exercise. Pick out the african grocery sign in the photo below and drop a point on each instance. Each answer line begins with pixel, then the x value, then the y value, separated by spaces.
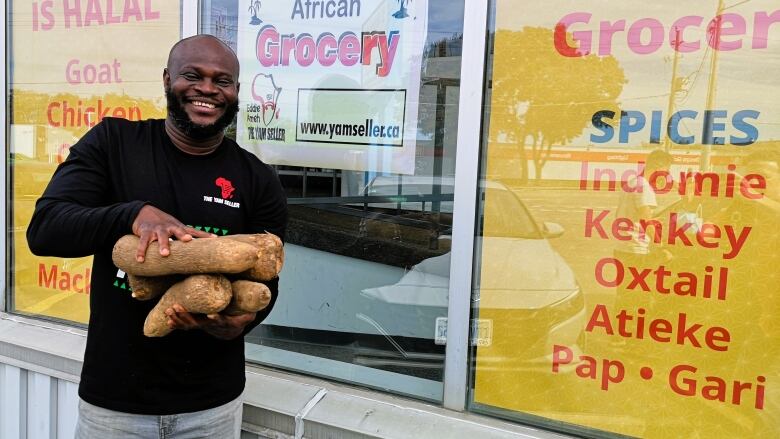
pixel 630 249
pixel 72 63
pixel 332 84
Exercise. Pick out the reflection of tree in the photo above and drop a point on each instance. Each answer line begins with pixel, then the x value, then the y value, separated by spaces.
pixel 31 107
pixel 449 46
pixel 65 112
pixel 437 72
pixel 541 98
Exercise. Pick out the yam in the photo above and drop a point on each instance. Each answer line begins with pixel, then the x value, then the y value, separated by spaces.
pixel 198 294
pixel 248 297
pixel 270 256
pixel 201 255
pixel 147 288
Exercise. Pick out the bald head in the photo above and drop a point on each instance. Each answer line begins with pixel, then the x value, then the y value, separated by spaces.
pixel 201 86
pixel 202 47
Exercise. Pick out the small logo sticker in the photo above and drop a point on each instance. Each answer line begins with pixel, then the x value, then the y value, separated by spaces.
pixel 481 332
pixel 266 93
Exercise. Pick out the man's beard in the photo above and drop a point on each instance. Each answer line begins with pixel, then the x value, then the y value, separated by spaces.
pixel 182 120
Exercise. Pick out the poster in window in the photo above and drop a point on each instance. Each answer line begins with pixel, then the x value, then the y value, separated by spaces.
pixel 644 141
pixel 332 84
pixel 71 65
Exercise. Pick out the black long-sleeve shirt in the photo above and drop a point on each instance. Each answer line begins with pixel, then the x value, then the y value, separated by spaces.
pixel 93 199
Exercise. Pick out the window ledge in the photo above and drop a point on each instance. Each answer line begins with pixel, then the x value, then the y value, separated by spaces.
pixel 41 346
pixel 273 400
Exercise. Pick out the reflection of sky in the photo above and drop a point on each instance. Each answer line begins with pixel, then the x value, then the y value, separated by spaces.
pixel 746 78
pixel 230 5
pixel 445 19
pixel 220 18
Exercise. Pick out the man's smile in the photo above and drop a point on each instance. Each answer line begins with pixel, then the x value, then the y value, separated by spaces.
pixel 203 110
pixel 203 104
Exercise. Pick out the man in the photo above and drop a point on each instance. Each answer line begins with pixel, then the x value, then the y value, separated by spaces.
pixel 158 179
pixel 640 204
pixel 640 251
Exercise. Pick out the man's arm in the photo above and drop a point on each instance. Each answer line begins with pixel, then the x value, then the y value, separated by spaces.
pixel 75 216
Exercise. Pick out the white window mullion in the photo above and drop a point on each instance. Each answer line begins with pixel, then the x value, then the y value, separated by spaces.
pixel 4 135
pixel 189 18
pixel 465 204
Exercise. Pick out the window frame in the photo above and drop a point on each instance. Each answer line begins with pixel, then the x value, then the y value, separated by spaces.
pixel 472 74
pixel 4 297
pixel 469 122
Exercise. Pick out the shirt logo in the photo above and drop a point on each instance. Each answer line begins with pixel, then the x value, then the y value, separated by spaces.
pixel 227 193
pixel 226 186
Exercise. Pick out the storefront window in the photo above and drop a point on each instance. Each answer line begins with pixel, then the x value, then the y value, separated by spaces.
pixel 70 65
pixel 358 112
pixel 629 216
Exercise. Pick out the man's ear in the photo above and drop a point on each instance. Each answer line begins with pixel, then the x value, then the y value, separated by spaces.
pixel 166 79
pixel 238 86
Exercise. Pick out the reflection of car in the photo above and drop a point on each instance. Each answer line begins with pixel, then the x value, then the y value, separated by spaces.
pixel 521 278
pixel 379 296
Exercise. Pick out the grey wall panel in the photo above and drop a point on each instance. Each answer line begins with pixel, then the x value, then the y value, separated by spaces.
pixel 35 405
pixel 40 363
pixel 67 408
pixel 13 402
pixel 41 406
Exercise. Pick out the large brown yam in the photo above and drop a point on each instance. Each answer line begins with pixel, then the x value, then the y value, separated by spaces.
pixel 270 256
pixel 201 255
pixel 248 297
pixel 147 288
pixel 198 294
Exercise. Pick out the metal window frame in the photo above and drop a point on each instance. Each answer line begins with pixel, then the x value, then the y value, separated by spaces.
pixel 466 181
pixel 456 363
pixel 472 73
pixel 190 15
pixel 189 26
pixel 3 171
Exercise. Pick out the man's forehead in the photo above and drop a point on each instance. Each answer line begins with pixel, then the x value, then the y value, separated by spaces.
pixel 202 50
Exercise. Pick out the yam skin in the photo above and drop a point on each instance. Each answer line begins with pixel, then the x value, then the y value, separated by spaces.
pixel 248 297
pixel 201 255
pixel 198 294
pixel 147 287
pixel 270 256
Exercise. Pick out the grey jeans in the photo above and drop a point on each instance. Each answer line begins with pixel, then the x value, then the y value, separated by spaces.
pixel 223 422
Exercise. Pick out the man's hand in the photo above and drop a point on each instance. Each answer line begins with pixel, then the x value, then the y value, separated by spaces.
pixel 152 224
pixel 218 325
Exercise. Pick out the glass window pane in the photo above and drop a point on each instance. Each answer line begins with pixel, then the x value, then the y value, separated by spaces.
pixel 68 69
pixel 627 280
pixel 366 274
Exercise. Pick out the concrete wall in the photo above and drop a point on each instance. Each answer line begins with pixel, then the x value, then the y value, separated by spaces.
pixel 36 405
pixel 40 363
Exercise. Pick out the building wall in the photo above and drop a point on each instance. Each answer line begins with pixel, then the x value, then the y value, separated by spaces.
pixel 529 338
pixel 40 363
pixel 36 405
